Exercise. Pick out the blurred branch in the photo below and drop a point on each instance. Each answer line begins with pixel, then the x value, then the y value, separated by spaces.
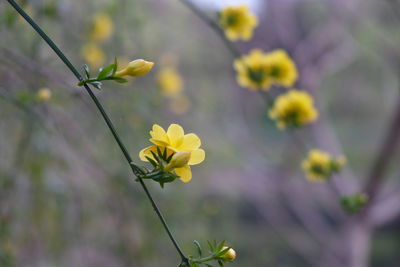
pixel 384 156
pixel 213 25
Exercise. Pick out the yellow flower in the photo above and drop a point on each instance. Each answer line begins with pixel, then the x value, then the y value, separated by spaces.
pixel 93 55
pixel 319 165
pixel 43 94
pixel 102 27
pixel 237 22
pixel 170 81
pixel 175 140
pixel 259 70
pixel 283 71
pixel 229 256
pixel 293 109
pixel 136 68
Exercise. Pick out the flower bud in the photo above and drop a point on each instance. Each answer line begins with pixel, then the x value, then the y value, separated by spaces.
pixel 178 160
pixel 138 67
pixel 229 256
pixel 43 94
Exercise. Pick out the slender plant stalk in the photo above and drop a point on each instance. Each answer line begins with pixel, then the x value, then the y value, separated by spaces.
pixel 135 169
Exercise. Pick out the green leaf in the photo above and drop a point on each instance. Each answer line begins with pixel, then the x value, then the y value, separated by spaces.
pixel 222 252
pixel 220 245
pixel 220 263
pixel 156 157
pixel 96 84
pixel 87 71
pixel 115 67
pixel 210 245
pixel 152 161
pixel 198 247
pixel 106 72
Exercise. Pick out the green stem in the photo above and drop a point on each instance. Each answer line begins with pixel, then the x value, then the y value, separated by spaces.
pixel 137 171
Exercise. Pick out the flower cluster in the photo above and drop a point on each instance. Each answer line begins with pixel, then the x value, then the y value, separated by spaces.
pixel 293 109
pixel 259 70
pixel 174 140
pixel 237 22
pixel 319 165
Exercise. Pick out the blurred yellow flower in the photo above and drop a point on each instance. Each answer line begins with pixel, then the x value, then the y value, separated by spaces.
pixel 175 140
pixel 237 22
pixel 293 109
pixel 283 71
pixel 43 94
pixel 170 81
pixel 319 165
pixel 229 256
pixel 136 68
pixel 102 27
pixel 179 104
pixel 93 55
pixel 259 70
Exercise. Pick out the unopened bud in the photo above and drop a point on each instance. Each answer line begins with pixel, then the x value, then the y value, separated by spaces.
pixel 138 67
pixel 178 160
pixel 229 256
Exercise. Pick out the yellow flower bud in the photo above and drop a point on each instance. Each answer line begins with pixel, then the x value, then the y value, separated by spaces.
pixel 229 256
pixel 138 67
pixel 43 94
pixel 178 160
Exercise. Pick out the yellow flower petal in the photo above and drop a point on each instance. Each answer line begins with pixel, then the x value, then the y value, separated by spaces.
pixel 184 173
pixel 158 142
pixel 197 156
pixel 158 133
pixel 190 142
pixel 175 135
pixel 146 152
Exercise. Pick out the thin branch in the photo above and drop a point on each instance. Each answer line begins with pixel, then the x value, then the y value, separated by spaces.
pixel 381 163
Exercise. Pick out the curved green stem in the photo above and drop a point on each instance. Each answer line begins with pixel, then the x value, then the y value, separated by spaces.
pixel 137 171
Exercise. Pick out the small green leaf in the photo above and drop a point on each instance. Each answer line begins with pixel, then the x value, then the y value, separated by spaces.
pixel 96 84
pixel 156 157
pixel 105 72
pixel 87 71
pixel 152 161
pixel 222 252
pixel 198 247
pixel 220 263
pixel 115 66
pixel 210 245
pixel 220 245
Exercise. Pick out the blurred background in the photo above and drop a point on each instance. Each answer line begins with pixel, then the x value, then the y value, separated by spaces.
pixel 67 197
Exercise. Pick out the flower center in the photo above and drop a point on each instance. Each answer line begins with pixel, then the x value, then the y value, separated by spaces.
pixel 257 75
